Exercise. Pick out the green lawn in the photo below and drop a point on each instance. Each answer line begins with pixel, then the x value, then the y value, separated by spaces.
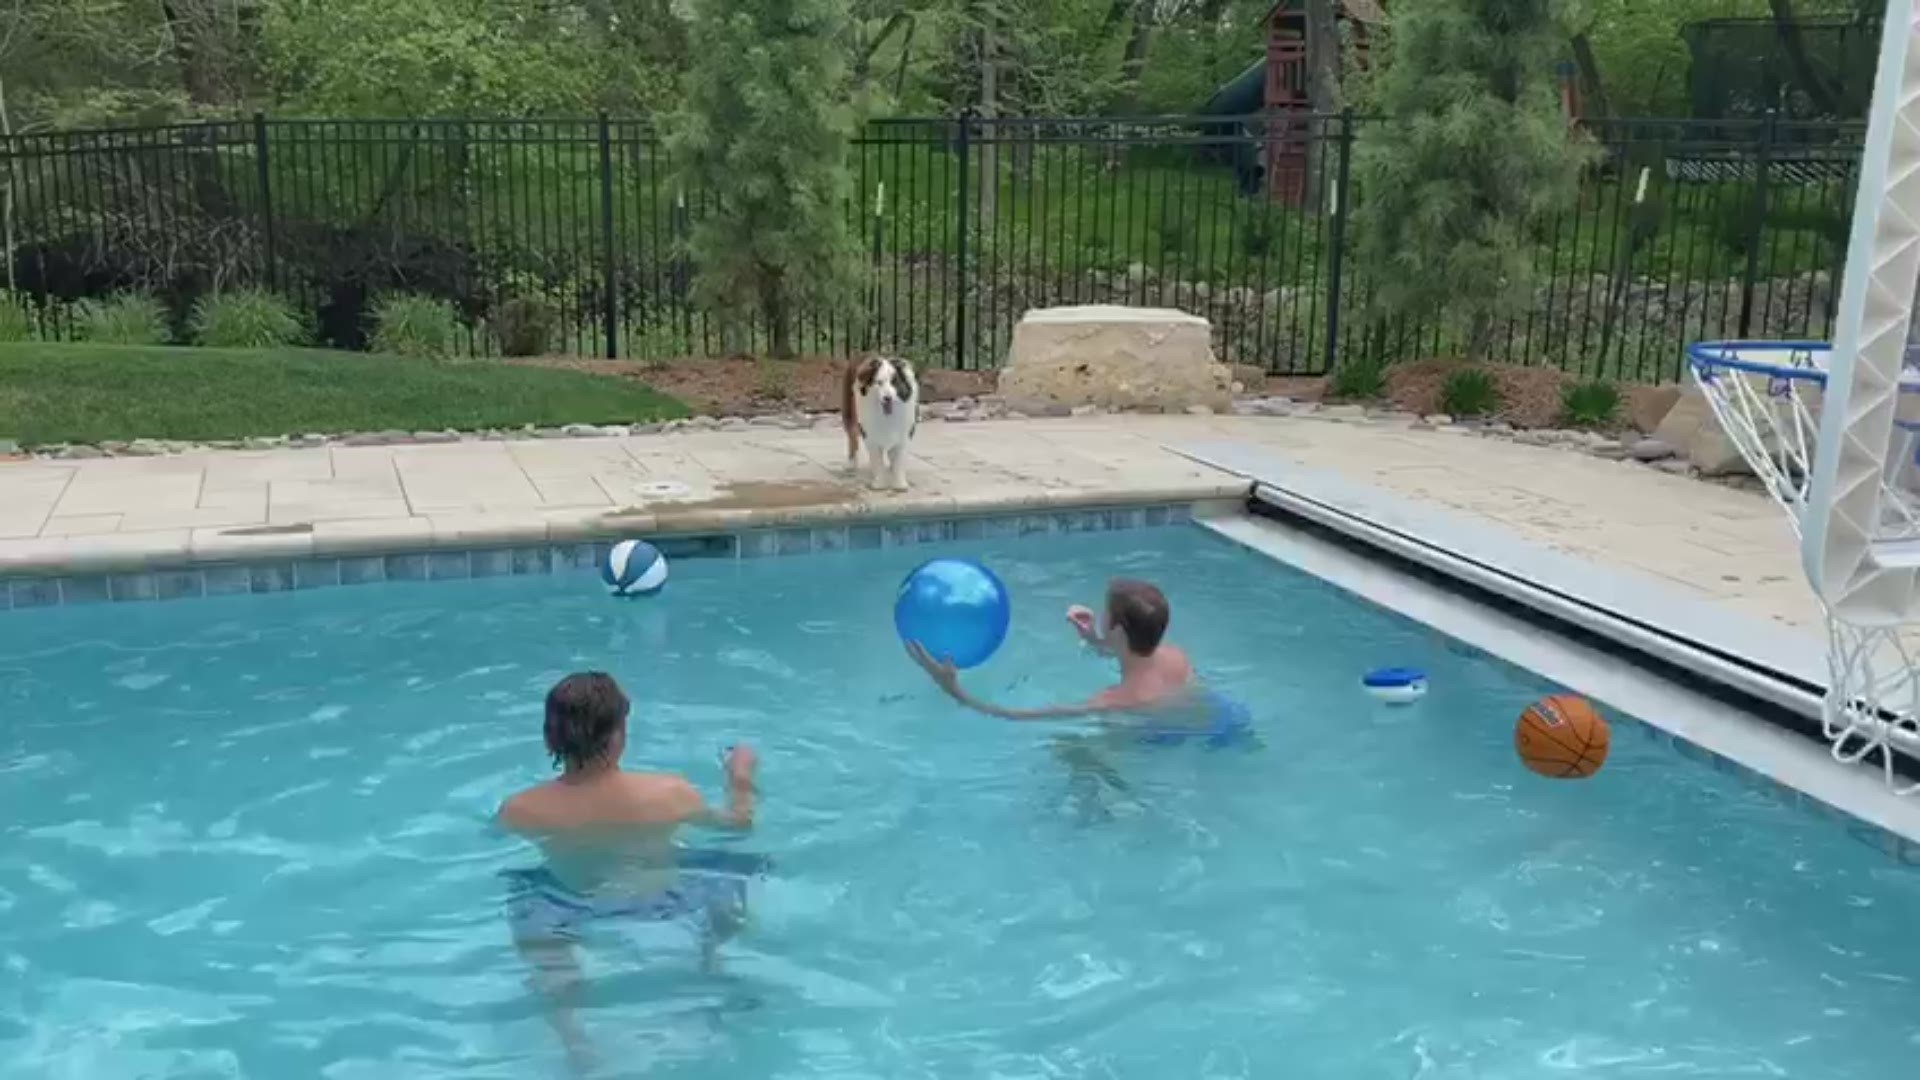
pixel 94 393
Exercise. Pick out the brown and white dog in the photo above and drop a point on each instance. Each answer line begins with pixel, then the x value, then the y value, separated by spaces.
pixel 880 403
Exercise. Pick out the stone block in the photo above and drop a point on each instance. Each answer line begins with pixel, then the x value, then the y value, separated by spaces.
pixel 1114 358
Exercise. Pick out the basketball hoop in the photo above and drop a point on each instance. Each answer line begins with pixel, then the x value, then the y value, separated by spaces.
pixel 1872 707
pixel 1767 397
pixel 1764 394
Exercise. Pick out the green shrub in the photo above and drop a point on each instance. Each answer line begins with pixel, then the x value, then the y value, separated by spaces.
pixel 659 340
pixel 246 319
pixel 1359 380
pixel 1259 232
pixel 524 327
pixel 774 381
pixel 1176 232
pixel 1470 392
pixel 127 318
pixel 1591 404
pixel 408 325
pixel 16 318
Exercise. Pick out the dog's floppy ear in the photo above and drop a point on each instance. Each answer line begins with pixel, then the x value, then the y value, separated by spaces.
pixel 864 375
pixel 904 382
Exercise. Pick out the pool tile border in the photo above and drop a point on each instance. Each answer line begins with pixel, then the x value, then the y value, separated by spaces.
pixel 318 572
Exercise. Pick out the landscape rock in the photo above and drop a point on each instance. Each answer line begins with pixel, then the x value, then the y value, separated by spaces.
pixel 1343 412
pixel 1650 450
pixel 1079 410
pixel 1115 358
pixel 1676 466
pixel 145 448
pixel 375 438
pixel 436 436
pixel 734 423
pixel 1199 410
pixel 1438 419
pixel 1252 375
pixel 80 453
pixel 1647 406
pixel 1610 449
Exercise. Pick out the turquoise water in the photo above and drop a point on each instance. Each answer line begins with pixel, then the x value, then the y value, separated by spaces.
pixel 246 837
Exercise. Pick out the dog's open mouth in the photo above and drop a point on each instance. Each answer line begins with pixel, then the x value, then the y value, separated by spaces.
pixel 886 406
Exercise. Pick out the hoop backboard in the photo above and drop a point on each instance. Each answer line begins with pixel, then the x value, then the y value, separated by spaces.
pixel 1863 567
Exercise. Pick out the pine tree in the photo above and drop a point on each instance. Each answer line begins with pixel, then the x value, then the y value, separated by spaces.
pixel 761 149
pixel 1473 157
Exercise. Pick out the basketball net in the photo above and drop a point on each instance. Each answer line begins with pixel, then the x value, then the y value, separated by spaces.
pixel 1766 397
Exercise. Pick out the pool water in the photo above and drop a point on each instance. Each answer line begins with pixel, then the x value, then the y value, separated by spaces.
pixel 248 837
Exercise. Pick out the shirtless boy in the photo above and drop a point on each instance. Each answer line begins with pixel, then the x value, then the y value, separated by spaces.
pixel 607 835
pixel 1155 678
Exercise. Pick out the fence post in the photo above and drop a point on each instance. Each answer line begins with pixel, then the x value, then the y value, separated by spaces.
pixel 1756 228
pixel 1339 237
pixel 960 245
pixel 263 177
pixel 611 296
pixel 879 254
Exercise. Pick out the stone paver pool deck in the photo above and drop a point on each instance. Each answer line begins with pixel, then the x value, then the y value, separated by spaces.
pixel 1713 543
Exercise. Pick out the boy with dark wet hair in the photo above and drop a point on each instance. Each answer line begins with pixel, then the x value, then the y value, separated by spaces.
pixel 607 834
pixel 1154 676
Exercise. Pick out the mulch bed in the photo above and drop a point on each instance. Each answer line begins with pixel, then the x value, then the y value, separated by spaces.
pixel 741 386
pixel 1530 397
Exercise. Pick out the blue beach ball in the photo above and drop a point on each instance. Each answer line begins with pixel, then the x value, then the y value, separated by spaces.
pixel 634 568
pixel 956 608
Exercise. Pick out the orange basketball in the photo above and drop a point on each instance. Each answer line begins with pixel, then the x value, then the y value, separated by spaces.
pixel 1563 737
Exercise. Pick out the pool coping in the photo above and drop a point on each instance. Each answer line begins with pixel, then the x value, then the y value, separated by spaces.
pixel 139 552
pixel 792 536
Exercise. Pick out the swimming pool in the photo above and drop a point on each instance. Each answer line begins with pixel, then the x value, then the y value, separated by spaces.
pixel 247 836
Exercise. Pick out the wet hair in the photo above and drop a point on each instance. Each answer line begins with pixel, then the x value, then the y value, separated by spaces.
pixel 1141 613
pixel 585 711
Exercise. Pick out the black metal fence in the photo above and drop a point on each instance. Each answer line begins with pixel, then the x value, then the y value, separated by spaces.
pixel 1684 231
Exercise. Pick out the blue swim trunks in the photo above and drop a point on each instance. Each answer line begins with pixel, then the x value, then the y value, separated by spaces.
pixel 540 905
pixel 1227 722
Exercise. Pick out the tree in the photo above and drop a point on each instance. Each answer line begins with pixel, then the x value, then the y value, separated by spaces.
pixel 1323 86
pixel 1474 155
pixel 764 133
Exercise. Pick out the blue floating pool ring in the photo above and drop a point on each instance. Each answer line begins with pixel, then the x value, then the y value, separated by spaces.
pixel 1228 722
pixel 1396 685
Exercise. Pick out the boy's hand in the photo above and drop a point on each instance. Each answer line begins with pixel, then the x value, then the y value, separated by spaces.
pixel 741 763
pixel 1081 620
pixel 941 671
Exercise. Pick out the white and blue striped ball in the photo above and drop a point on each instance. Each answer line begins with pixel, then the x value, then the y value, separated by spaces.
pixel 634 568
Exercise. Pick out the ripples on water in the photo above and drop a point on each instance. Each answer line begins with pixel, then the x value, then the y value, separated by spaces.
pixel 248 837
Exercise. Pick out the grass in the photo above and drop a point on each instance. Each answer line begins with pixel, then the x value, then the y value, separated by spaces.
pixel 95 393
